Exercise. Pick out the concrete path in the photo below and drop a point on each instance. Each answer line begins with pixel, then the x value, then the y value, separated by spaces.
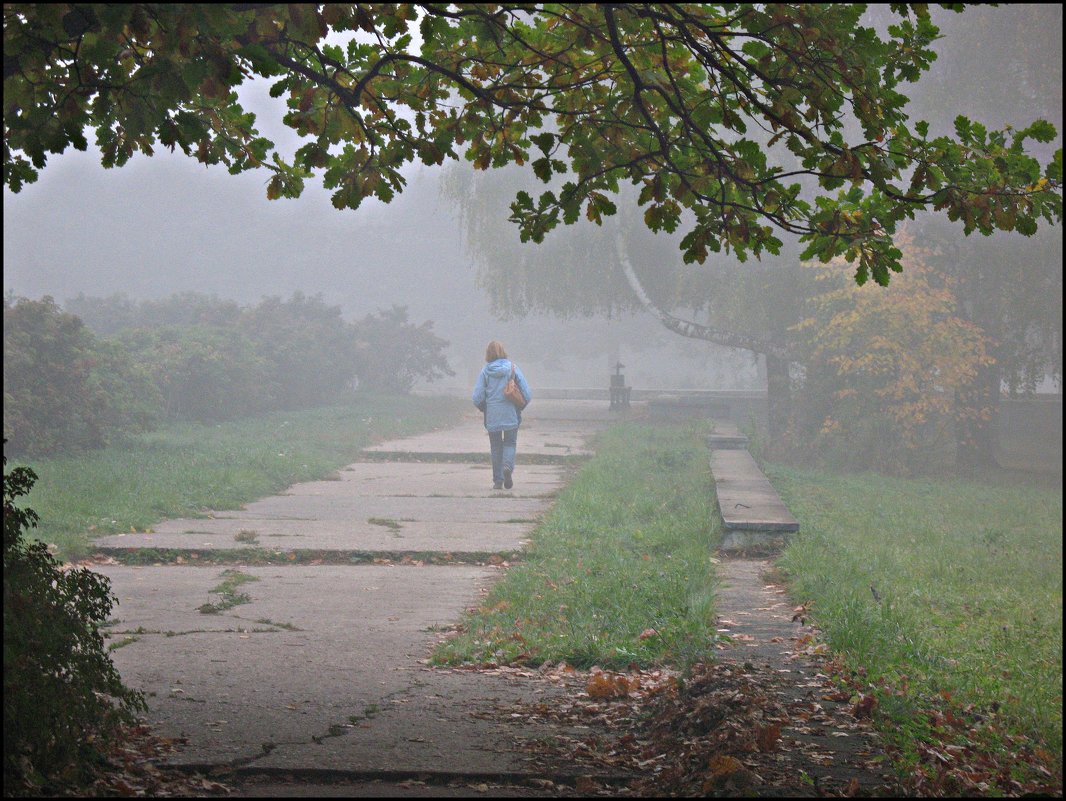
pixel 840 752
pixel 323 668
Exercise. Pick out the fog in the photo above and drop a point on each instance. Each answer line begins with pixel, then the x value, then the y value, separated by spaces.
pixel 167 224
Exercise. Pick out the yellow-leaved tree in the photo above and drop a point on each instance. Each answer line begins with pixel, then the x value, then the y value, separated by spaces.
pixel 885 367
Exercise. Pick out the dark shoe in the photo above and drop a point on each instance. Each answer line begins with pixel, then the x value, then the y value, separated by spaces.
pixel 497 485
pixel 507 483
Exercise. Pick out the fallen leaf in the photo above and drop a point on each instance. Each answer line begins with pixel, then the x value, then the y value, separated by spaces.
pixel 864 707
pixel 766 737
pixel 586 785
pixel 723 765
pixel 611 685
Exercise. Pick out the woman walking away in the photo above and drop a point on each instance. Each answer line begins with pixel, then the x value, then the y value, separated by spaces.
pixel 502 416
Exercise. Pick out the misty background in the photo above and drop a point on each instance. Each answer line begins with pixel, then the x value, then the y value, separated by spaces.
pixel 166 224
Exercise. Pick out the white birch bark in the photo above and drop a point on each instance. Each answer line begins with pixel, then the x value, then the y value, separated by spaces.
pixel 687 328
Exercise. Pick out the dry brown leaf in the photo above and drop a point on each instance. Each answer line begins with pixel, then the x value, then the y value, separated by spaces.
pixel 586 784
pixel 766 737
pixel 723 764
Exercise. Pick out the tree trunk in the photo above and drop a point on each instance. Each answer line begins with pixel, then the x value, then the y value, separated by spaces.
pixel 975 437
pixel 778 396
pixel 778 357
pixel 695 330
pixel 979 294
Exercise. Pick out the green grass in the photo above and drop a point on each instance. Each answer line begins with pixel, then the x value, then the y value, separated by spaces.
pixel 227 592
pixel 184 470
pixel 626 548
pixel 970 584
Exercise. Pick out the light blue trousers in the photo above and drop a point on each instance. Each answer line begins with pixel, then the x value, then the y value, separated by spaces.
pixel 502 445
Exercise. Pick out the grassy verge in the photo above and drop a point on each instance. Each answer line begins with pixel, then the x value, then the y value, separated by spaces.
pixel 183 470
pixel 948 595
pixel 618 572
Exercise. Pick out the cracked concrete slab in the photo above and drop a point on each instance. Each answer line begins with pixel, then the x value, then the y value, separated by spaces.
pixel 433 479
pixel 355 507
pixel 341 516
pixel 334 536
pixel 323 666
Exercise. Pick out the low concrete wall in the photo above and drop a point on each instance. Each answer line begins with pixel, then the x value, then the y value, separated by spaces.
pixel 1029 433
pixel 739 407
pixel 754 518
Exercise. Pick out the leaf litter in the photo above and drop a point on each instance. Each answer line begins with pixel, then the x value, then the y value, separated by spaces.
pixel 131 767
pixel 721 729
pixel 736 729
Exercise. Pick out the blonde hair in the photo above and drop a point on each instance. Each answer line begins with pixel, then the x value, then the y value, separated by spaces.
pixel 495 351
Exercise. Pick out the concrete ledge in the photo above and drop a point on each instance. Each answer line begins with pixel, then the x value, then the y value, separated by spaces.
pixel 750 543
pixel 753 515
pixel 726 437
pixel 723 442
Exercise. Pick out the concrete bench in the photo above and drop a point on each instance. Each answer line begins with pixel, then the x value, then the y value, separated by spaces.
pixel 754 518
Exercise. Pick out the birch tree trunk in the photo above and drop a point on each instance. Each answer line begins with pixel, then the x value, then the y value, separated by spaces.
pixel 778 356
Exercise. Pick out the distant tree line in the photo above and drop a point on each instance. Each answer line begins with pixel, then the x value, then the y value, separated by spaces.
pixel 84 376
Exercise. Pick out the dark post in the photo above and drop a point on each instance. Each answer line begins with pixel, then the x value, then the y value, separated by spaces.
pixel 619 390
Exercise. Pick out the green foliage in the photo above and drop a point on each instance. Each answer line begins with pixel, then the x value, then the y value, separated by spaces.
pixel 660 96
pixel 201 372
pixel 63 388
pixel 63 697
pixel 391 354
pixel 307 348
pixel 213 360
pixel 111 315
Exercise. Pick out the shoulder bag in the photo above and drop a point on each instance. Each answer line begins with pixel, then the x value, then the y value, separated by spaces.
pixel 513 393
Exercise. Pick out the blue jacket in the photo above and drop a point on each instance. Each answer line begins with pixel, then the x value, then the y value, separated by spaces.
pixel 500 413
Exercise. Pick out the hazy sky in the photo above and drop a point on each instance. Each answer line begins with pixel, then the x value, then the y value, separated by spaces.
pixel 167 223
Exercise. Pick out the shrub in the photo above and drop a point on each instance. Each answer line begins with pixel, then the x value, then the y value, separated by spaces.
pixel 307 346
pixel 193 357
pixel 63 698
pixel 203 372
pixel 885 368
pixel 116 313
pixel 63 389
pixel 391 353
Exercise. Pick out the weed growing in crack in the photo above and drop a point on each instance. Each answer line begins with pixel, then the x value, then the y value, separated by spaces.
pixel 229 597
